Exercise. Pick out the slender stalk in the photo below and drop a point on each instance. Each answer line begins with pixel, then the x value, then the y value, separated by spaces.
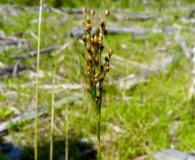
pixel 52 112
pixel 98 136
pixel 96 69
pixel 66 153
pixel 37 84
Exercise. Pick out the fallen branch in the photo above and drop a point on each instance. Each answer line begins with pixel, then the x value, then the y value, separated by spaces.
pixel 33 53
pixel 78 32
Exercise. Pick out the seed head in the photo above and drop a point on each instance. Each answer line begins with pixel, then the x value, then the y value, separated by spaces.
pixel 92 12
pixel 106 69
pixel 84 38
pixel 107 13
pixel 97 32
pixel 89 59
pixel 96 60
pixel 88 27
pixel 102 23
pixel 89 49
pixel 84 10
pixel 96 76
pixel 83 53
pixel 96 80
pixel 88 20
pixel 105 31
pixel 88 88
pixel 101 77
pixel 110 53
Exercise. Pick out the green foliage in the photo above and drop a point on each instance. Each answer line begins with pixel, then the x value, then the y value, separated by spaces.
pixel 135 121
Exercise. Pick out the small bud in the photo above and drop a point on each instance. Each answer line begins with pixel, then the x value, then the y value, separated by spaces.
pixel 88 88
pixel 101 48
pixel 110 53
pixel 90 59
pixel 88 69
pixel 88 49
pixel 101 78
pixel 106 69
pixel 101 68
pixel 107 13
pixel 88 28
pixel 100 88
pixel 96 60
pixel 97 31
pixel 105 31
pixel 95 41
pixel 84 9
pixel 92 50
pixel 88 20
pixel 106 59
pixel 96 80
pixel 84 38
pixel 100 43
pixel 92 12
pixel 89 73
pixel 83 53
pixel 96 76
pixel 102 23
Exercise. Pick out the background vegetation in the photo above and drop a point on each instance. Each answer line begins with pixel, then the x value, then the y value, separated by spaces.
pixel 153 114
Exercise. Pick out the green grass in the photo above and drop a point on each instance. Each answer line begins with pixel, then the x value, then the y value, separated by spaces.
pixel 136 121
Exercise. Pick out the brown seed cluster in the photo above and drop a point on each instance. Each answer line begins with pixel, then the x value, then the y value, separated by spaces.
pixel 92 53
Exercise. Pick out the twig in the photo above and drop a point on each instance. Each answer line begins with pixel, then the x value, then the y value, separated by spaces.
pixel 33 53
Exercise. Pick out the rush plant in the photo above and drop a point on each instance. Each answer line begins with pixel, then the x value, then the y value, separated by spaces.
pixel 96 66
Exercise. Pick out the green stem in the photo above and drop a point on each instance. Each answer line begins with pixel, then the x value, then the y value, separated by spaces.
pixel 99 125
pixel 98 137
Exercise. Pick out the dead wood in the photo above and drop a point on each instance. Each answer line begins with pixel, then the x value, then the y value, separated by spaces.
pixel 77 32
pixel 12 70
pixel 33 53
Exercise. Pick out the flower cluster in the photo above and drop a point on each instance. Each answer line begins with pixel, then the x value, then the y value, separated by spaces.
pixel 96 67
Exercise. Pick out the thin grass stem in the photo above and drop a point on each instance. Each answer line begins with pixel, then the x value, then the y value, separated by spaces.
pixel 52 111
pixel 66 152
pixel 37 84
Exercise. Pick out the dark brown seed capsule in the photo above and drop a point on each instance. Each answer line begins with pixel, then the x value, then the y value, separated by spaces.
pixel 106 59
pixel 105 31
pixel 84 38
pixel 101 68
pixel 100 88
pixel 102 23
